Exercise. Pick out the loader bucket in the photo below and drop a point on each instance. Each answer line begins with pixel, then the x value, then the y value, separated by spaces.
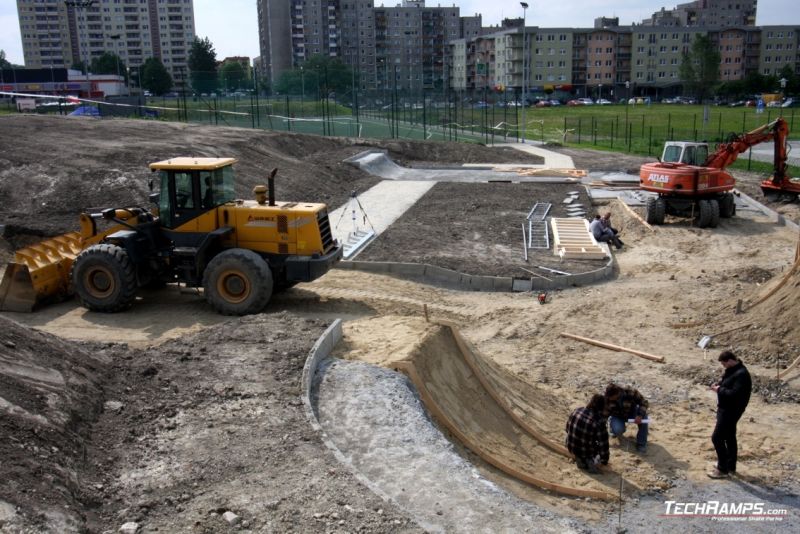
pixel 38 273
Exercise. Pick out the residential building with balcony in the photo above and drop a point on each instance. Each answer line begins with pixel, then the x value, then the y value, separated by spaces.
pixel 57 34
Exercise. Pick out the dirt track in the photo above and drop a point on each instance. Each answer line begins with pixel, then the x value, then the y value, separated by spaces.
pixel 210 419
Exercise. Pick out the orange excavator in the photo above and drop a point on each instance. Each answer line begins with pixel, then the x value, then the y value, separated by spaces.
pixel 690 182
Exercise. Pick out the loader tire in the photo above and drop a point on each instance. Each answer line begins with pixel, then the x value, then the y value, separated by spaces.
pixel 237 282
pixel 104 279
pixel 727 206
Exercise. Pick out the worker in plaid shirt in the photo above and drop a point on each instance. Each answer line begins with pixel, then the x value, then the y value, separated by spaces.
pixel 587 435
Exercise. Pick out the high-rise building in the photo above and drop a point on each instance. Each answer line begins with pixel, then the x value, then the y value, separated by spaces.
pixel 59 33
pixel 707 13
pixel 403 46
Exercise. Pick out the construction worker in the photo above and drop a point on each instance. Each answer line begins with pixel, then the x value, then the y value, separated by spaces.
pixel 587 436
pixel 605 221
pixel 733 394
pixel 623 405
pixel 602 234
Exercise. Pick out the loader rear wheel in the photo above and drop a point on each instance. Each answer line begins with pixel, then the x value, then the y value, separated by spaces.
pixel 104 279
pixel 238 282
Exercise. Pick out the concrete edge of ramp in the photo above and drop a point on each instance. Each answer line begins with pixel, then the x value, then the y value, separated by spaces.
pixel 429 399
pixel 772 214
pixel 447 278
pixel 321 350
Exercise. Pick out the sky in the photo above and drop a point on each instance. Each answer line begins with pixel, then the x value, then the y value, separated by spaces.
pixel 232 25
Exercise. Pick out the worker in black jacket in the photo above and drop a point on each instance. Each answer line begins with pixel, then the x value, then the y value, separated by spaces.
pixel 733 394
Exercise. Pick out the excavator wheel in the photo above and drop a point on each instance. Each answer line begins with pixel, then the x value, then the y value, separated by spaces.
pixel 727 206
pixel 104 279
pixel 709 214
pixel 714 221
pixel 238 282
pixel 654 210
pixel 661 210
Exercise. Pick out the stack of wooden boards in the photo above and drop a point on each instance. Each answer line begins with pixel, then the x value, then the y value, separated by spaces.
pixel 573 240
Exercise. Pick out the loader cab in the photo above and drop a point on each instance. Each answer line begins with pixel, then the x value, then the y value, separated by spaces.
pixel 190 187
pixel 685 152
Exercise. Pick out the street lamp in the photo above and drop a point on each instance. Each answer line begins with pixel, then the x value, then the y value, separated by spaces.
pixel 600 89
pixel 116 38
pixel 524 72
pixel 783 81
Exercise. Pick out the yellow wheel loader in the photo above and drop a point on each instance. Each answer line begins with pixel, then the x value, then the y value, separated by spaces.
pixel 200 235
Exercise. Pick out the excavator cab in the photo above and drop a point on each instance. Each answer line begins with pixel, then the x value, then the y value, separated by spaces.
pixel 685 152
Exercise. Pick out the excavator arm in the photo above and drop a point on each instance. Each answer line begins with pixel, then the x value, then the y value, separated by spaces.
pixel 776 131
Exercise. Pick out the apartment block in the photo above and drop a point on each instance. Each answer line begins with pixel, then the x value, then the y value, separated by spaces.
pixel 403 45
pixel 552 54
pixel 779 48
pixel 59 34
pixel 707 14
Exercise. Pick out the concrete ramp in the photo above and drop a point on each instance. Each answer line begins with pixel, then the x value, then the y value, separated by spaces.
pixel 378 163
pixel 472 399
pixel 375 210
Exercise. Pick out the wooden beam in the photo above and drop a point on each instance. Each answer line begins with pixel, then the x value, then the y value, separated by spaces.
pixel 636 215
pixel 617 348
pixel 781 374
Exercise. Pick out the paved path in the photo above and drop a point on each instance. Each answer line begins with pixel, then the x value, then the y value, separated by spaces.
pixel 551 159
pixel 383 204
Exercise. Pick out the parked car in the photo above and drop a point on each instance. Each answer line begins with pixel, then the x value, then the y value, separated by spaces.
pixel 790 103
pixel 543 104
pixel 586 101
pixel 603 102
pixel 481 105
pixel 554 102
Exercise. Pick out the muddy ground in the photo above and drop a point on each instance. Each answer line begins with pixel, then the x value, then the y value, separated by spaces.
pixel 171 416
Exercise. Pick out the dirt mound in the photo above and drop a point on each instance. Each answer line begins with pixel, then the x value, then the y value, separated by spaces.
pixel 53 167
pixel 441 152
pixel 213 422
pixel 477 229
pixel 50 394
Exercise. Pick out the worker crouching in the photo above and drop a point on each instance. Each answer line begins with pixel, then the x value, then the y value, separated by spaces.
pixel 587 435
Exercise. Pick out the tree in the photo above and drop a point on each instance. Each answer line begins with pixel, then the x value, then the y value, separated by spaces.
pixel 155 77
pixel 319 73
pixel 109 63
pixel 4 63
pixel 792 80
pixel 79 65
pixel 203 66
pixel 233 77
pixel 699 68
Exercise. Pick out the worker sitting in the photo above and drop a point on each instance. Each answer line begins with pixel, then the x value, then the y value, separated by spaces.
pixel 587 436
pixel 623 405
pixel 603 234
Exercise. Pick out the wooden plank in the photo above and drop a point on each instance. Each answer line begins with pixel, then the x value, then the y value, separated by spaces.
pixel 781 374
pixel 635 215
pixel 617 348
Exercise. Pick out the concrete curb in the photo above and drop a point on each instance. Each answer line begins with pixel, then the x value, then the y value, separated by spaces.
pixel 774 215
pixel 441 277
pixel 319 352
